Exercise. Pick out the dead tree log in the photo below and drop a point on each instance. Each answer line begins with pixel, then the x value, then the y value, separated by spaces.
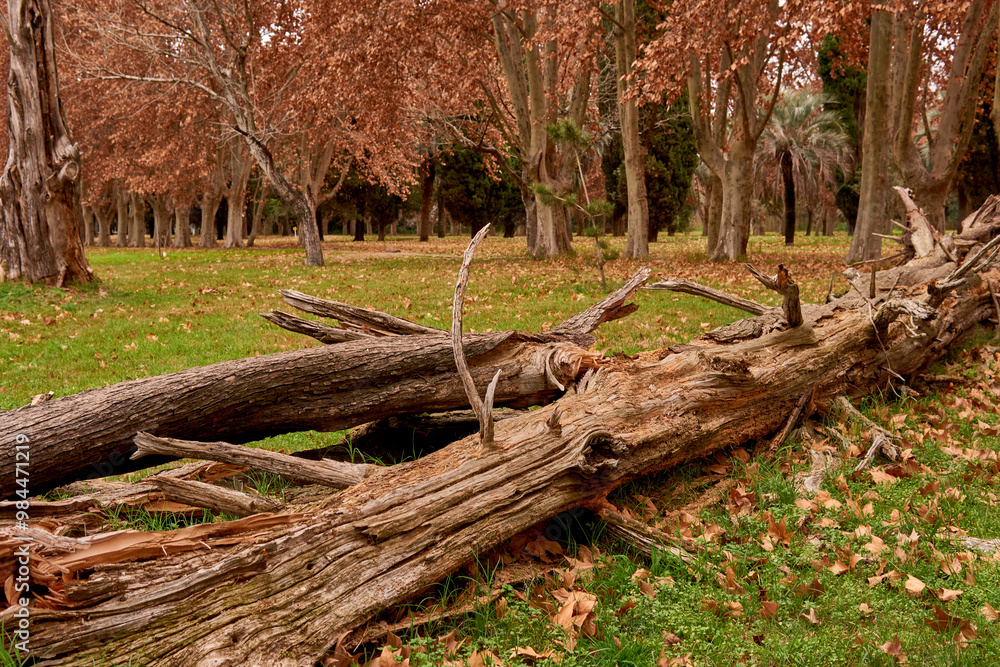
pixel 328 388
pixel 283 593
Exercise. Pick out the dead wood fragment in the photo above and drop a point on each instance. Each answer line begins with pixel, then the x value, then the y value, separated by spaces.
pixel 766 451
pixel 483 407
pixel 996 302
pixel 646 538
pixel 822 462
pixel 966 274
pixel 335 474
pixel 783 284
pixel 696 289
pixel 613 307
pixel 935 378
pixel 212 497
pixel 369 322
pixel 321 332
pixel 923 236
pixel 882 440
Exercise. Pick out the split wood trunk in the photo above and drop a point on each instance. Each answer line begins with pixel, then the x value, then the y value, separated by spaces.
pixel 377 373
pixel 281 590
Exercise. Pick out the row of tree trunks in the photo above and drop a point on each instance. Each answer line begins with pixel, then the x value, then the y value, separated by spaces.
pixel 270 590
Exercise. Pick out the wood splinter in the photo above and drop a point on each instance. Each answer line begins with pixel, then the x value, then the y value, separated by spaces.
pixel 783 284
pixel 482 407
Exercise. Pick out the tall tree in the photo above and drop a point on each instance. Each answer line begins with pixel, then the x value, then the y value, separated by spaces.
pixel 475 197
pixel 866 244
pixel 40 223
pixel 637 240
pixel 947 139
pixel 806 145
pixel 844 92
pixel 546 68
pixel 730 54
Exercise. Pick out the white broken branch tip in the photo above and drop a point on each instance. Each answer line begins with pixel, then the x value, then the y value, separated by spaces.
pixel 482 408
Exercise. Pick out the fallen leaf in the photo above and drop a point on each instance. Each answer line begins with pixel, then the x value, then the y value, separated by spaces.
pixel 947 595
pixel 880 477
pixel 811 616
pixel 768 609
pixel 838 568
pixel 876 546
pixel 914 586
pixel 625 608
pixel 892 647
pixel 729 583
pixel 988 612
pixel 532 654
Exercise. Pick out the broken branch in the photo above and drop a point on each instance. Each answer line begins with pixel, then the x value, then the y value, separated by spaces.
pixel 335 474
pixel 783 284
pixel 482 407
pixel 212 497
pixel 695 289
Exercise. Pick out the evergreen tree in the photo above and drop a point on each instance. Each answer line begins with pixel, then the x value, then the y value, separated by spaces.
pixel 474 196
pixel 671 158
pixel 845 91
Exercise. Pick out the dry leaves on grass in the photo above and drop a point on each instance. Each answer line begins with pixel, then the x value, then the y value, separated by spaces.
pixel 942 621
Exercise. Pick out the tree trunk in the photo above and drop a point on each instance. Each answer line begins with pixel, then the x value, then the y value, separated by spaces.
pixel 426 199
pixel 552 237
pixel 809 220
pixel 39 220
pixel 875 146
pixel 788 180
pixel 88 225
pixel 829 219
pixel 137 228
pixel 235 215
pixel 359 228
pixel 637 241
pixel 932 202
pixel 256 228
pixel 455 229
pixel 182 226
pixel 161 221
pixel 123 219
pixel 737 193
pixel 210 202
pixel 104 226
pixel 530 215
pixel 322 388
pixel 182 597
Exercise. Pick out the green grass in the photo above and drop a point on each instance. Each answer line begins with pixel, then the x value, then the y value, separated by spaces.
pixel 152 315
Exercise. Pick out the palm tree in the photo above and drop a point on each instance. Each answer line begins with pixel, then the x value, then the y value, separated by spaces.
pixel 805 144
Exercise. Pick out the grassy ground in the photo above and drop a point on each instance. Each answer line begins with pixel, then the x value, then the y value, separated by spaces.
pixel 867 571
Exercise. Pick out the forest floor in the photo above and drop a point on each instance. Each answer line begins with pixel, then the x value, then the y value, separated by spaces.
pixel 875 568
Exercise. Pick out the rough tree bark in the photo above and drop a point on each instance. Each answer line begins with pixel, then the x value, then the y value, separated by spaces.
pixel 39 217
pixel 282 589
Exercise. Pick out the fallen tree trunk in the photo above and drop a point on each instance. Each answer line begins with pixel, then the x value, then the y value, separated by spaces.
pixel 328 388
pixel 283 593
